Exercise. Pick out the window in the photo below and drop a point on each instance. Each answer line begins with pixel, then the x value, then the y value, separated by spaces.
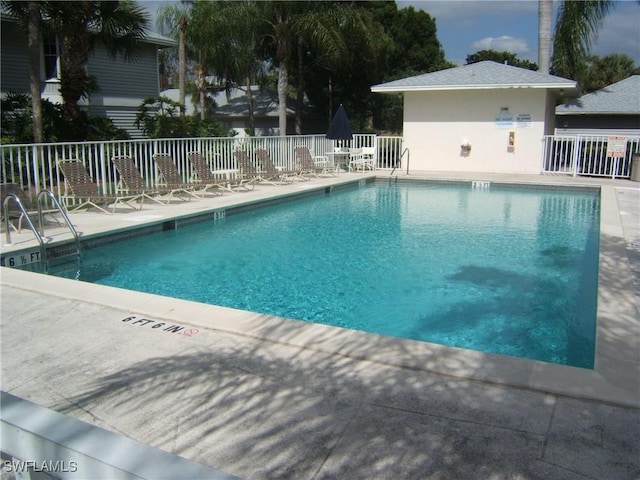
pixel 51 50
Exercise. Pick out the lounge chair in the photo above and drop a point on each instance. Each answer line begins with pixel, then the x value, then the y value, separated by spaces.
pixel 247 169
pixel 81 187
pixel 172 181
pixel 362 159
pixel 30 209
pixel 271 174
pixel 314 165
pixel 208 180
pixel 131 181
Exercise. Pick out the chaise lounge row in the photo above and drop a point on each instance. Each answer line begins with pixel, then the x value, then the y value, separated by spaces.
pixel 132 189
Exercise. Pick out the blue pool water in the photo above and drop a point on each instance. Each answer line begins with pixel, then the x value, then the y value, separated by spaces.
pixel 503 270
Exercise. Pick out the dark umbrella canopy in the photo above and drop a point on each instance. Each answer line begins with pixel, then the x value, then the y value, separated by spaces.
pixel 340 128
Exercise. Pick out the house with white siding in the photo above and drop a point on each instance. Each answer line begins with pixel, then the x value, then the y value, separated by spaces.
pixel 122 84
pixel 481 117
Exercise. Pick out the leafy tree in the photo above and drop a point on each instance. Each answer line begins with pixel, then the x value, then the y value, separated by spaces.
pixel 500 57
pixel 162 118
pixel 226 38
pixel 17 124
pixel 604 71
pixel 315 24
pixel 416 46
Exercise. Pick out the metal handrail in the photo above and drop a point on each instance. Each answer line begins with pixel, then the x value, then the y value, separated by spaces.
pixel 60 208
pixel 38 234
pixel 14 197
pixel 399 162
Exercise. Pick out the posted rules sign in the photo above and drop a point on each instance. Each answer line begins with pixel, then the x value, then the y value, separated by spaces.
pixel 616 147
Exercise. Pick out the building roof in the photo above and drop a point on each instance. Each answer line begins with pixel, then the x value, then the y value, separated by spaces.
pixel 477 76
pixel 621 98
pixel 265 102
pixel 153 38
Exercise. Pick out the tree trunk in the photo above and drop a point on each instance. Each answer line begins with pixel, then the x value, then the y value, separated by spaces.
pixel 545 14
pixel 283 86
pixel 74 82
pixel 252 117
pixel 202 92
pixel 182 63
pixel 300 90
pixel 34 70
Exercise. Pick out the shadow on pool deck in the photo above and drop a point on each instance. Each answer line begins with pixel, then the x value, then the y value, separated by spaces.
pixel 262 397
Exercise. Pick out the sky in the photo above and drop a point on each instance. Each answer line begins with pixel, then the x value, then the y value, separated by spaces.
pixel 468 26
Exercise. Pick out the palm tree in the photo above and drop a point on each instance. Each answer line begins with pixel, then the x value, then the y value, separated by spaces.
pixel 576 23
pixel 29 17
pixel 545 15
pixel 174 19
pixel 119 25
pixel 291 25
pixel 225 36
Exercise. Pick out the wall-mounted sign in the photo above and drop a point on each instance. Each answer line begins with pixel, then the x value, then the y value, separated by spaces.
pixel 616 147
pixel 504 119
pixel 523 120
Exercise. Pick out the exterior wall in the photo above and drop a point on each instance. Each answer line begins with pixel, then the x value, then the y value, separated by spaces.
pixel 14 61
pixel 597 124
pixel 437 123
pixel 122 85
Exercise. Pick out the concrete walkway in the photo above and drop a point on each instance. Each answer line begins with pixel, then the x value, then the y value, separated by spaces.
pixel 268 398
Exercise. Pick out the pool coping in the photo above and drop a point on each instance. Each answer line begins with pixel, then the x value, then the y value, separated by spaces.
pixel 615 378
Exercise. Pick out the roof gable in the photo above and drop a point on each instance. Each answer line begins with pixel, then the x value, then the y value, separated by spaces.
pixel 621 98
pixel 480 75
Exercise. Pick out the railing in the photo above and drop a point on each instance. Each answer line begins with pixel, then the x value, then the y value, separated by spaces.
pixel 34 166
pixel 587 155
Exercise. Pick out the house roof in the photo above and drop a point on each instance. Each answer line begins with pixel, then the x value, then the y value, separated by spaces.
pixel 477 76
pixel 153 38
pixel 160 40
pixel 265 102
pixel 621 98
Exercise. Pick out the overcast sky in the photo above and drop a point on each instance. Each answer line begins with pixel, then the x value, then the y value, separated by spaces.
pixel 467 26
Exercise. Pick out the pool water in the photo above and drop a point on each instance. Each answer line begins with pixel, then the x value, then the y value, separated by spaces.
pixel 501 270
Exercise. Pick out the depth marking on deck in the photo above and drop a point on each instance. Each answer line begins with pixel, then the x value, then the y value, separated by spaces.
pixel 161 326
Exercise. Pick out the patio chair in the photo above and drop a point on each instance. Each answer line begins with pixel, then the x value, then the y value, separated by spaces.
pixel 202 173
pixel 30 209
pixel 172 181
pixel 362 159
pixel 79 186
pixel 271 174
pixel 247 169
pixel 131 181
pixel 314 165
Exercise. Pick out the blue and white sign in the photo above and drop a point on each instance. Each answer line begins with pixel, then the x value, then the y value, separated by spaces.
pixel 504 119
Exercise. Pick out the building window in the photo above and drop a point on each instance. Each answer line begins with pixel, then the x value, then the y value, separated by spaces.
pixel 51 49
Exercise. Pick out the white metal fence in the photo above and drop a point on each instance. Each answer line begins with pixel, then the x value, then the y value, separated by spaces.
pixel 34 166
pixel 589 155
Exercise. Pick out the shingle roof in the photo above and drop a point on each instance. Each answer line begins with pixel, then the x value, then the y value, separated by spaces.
pixel 480 75
pixel 622 98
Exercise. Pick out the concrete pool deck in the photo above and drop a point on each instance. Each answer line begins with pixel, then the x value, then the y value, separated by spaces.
pixel 263 397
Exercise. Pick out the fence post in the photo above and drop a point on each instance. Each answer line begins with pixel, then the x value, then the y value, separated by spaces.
pixel 576 155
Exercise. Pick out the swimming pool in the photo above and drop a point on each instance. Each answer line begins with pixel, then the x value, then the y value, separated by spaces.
pixel 502 270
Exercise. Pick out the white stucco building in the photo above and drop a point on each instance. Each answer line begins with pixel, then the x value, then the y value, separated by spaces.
pixel 482 117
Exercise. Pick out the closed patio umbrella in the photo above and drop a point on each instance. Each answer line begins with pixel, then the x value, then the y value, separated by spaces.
pixel 340 128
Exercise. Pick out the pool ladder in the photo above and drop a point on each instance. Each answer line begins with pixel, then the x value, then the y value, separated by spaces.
pixel 39 234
